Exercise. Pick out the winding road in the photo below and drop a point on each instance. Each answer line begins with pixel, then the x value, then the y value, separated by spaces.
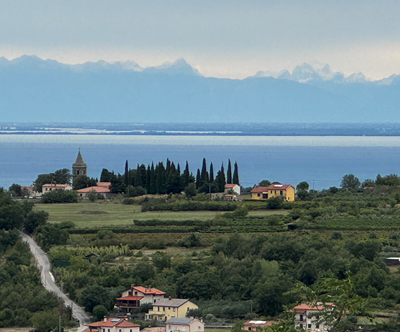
pixel 47 279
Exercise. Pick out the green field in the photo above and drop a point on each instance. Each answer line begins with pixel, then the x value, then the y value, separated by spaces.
pixel 113 214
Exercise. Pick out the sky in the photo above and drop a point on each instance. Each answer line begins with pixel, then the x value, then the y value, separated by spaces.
pixel 220 38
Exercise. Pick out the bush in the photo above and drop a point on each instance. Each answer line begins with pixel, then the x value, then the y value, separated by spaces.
pixel 274 202
pixel 336 236
pixel 60 196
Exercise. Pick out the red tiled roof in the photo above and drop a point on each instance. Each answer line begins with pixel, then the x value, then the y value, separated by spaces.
pixel 104 184
pixel 304 307
pixel 230 185
pixel 130 298
pixel 110 322
pixel 261 189
pixel 230 195
pixel 147 290
pixel 97 189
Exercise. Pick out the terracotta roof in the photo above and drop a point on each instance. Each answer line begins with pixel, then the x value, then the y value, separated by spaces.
pixel 259 189
pixel 230 185
pixel 305 307
pixel 130 298
pixel 97 189
pixel 148 291
pixel 104 184
pixel 110 322
pixel 262 189
pixel 166 302
pixel 230 195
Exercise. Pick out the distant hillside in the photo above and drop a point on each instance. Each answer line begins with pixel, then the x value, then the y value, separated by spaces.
pixel 38 90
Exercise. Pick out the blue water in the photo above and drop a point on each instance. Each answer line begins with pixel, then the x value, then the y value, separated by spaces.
pixel 321 161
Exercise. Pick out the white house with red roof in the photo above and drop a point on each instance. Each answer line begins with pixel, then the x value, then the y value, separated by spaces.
pixel 135 296
pixel 232 187
pixel 113 325
pixel 308 317
pixel 48 187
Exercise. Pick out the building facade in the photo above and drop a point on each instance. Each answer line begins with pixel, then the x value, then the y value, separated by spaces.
pixel 168 308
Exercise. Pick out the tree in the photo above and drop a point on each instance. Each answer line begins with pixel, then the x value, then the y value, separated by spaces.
pixel 350 181
pixel 83 181
pixel 211 173
pixel 106 176
pixel 60 196
pixel 235 178
pixel 95 295
pixel 15 190
pixel 99 311
pixel 34 219
pixel 229 173
pixel 62 176
pixel 264 183
pixel 337 298
pixel 274 202
pixel 190 190
pixel 303 185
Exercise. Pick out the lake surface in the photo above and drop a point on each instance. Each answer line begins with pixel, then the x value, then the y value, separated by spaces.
pixel 320 160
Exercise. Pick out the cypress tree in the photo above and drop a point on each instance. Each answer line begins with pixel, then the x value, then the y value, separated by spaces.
pixel 148 171
pixel 152 179
pixel 235 174
pixel 198 179
pixel 138 179
pixel 186 175
pixel 203 174
pixel 229 173
pixel 126 175
pixel 160 178
pixel 211 173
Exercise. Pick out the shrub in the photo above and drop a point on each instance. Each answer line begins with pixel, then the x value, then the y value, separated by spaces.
pixel 336 236
pixel 60 196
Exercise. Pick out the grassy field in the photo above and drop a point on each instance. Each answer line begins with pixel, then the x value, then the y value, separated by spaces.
pixel 112 214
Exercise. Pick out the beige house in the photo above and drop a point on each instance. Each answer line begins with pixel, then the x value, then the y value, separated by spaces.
pixel 168 308
pixel 113 325
pixel 184 325
pixel 46 188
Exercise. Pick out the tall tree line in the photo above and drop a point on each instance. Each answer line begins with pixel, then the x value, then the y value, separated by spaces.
pixel 167 178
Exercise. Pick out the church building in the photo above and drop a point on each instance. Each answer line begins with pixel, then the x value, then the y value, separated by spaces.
pixel 79 167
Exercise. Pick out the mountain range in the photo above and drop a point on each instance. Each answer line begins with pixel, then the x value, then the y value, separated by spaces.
pixel 36 90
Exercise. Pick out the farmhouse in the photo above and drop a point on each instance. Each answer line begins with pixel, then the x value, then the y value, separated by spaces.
pixel 231 187
pixel 308 318
pixel 184 325
pixel 46 188
pixel 275 189
pixel 167 308
pixel 113 325
pixel 135 296
pixel 102 188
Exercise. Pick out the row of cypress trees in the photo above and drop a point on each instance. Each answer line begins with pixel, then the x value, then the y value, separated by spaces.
pixel 168 178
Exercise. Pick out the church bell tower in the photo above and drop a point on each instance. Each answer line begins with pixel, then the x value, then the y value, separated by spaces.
pixel 79 167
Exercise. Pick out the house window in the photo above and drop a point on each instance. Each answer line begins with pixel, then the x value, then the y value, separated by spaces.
pixel 258 195
pixel 249 328
pixel 108 330
pixel 281 193
pixel 163 308
pixel 120 330
pixel 173 309
pixel 317 326
pixel 309 326
pixel 301 317
pixel 135 293
pixel 187 309
pixel 158 308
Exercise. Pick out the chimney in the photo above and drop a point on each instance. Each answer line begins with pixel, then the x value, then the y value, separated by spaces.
pixel 105 318
pixel 169 298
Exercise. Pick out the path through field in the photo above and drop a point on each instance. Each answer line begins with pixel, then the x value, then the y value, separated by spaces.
pixel 47 279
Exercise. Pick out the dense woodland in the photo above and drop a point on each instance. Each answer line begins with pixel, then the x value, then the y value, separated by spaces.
pixel 243 263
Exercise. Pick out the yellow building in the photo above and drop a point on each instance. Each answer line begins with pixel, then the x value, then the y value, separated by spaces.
pixel 164 309
pixel 275 189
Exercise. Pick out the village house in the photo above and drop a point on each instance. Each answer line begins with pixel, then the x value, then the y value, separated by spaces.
pixel 46 188
pixel 102 188
pixel 275 189
pixel 308 317
pixel 184 325
pixel 168 308
pixel 232 188
pixel 253 325
pixel 113 325
pixel 135 296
